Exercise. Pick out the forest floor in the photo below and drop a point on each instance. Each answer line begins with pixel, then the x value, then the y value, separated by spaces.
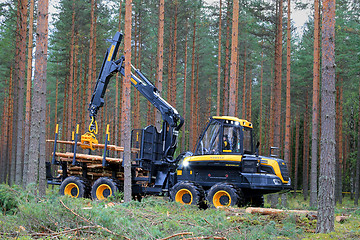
pixel 25 216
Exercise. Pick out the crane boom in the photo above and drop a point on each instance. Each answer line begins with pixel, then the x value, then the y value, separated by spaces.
pixel 172 120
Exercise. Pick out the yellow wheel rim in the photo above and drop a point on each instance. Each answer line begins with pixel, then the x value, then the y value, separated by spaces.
pixel 221 199
pixel 184 196
pixel 103 192
pixel 71 190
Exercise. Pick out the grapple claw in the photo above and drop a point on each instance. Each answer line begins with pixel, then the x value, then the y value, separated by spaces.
pixel 87 141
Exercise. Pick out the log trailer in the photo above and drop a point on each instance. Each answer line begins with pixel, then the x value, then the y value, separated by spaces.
pixel 224 170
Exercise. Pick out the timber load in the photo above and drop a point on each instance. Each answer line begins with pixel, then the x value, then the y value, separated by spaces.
pixel 104 160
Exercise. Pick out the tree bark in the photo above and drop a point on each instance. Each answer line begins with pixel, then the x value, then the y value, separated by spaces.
pixel 71 71
pixel 160 55
pixel 126 104
pixel 243 115
pixel 174 58
pixel 28 92
pixel 357 165
pixel 183 139
pixel 192 97
pixel 326 198
pixel 234 49
pixel 38 110
pixel 340 146
pixel 219 65
pixel 277 81
pixel 288 88
pixel 226 72
pixel 91 51
pixel 21 34
pixel 261 101
pixel 306 149
pixel 315 108
pixel 297 139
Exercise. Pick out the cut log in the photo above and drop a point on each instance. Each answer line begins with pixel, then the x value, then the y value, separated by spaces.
pixel 95 166
pixel 273 211
pixel 341 219
pixel 88 157
pixel 98 146
pixel 67 159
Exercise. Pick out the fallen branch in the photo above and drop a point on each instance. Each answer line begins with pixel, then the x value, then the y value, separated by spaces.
pixel 62 232
pixel 177 234
pixel 273 211
pixel 209 237
pixel 208 222
pixel 88 221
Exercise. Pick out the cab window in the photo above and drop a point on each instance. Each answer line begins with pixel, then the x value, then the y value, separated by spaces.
pixel 248 141
pixel 209 144
pixel 231 139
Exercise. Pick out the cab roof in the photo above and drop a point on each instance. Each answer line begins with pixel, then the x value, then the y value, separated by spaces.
pixel 242 122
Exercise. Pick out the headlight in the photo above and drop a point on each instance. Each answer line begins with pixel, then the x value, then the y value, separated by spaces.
pixel 186 163
pixel 277 181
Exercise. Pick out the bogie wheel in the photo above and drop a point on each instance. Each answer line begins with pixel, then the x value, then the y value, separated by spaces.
pixel 187 193
pixel 103 188
pixel 74 187
pixel 224 195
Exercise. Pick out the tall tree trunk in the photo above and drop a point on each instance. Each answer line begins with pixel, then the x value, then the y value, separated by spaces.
pixel 196 113
pixel 219 65
pixel 315 108
pixel 306 149
pixel 261 100
pixel 28 92
pixel 91 51
pixel 21 34
pixel 174 58
pixel 249 97
pixel 192 97
pixel 183 139
pixel 226 72
pixel 339 166
pixel 297 139
pixel 118 79
pixel 71 76
pixel 75 82
pixel 357 165
pixel 326 198
pixel 10 128
pixel 160 55
pixel 234 49
pixel 126 104
pixel 288 87
pixel 135 104
pixel 38 110
pixel 244 88
pixel 277 81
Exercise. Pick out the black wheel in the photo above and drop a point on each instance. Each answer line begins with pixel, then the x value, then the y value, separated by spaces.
pixel 74 187
pixel 224 195
pixel 104 188
pixel 187 193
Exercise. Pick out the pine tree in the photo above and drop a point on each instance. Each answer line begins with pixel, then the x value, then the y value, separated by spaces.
pixel 315 108
pixel 38 110
pixel 233 70
pixel 326 198
pixel 126 112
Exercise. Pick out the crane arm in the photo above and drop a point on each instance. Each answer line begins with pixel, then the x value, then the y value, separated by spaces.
pixel 173 121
